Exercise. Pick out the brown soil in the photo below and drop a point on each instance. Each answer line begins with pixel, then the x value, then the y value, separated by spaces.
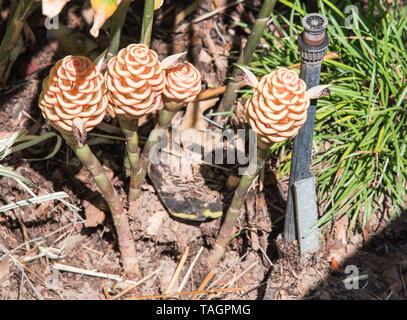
pixel 38 237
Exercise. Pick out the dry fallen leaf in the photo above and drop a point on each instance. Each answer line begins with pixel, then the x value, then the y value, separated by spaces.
pixel 43 209
pixel 193 114
pixel 173 61
pixel 204 57
pixel 94 216
pixel 232 182
pixel 4 268
pixel 83 176
pixel 247 77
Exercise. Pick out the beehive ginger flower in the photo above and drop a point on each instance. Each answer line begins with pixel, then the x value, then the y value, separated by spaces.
pixel 278 108
pixel 135 82
pixel 182 85
pixel 74 90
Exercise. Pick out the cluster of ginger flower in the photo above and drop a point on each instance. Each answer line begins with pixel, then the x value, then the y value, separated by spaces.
pixel 135 84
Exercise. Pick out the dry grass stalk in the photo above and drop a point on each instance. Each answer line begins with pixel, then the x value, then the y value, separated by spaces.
pixel 136 284
pixel 63 267
pixel 188 273
pixel 160 296
pixel 237 278
pixel 177 270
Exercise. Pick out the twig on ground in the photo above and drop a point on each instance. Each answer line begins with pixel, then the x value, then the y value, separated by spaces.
pixel 230 268
pixel 237 278
pixel 266 256
pixel 136 284
pixel 20 266
pixel 402 280
pixel 63 267
pixel 33 240
pixel 211 274
pixel 187 293
pixel 34 274
pixel 177 270
pixel 188 273
pixel 218 32
pixel 186 12
pixel 105 291
pixel 216 11
pixel 93 250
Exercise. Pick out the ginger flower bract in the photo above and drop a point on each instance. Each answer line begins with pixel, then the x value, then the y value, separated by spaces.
pixel 135 81
pixel 182 85
pixel 278 108
pixel 73 89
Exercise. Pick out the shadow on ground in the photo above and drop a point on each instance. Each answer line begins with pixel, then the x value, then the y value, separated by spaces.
pixel 377 270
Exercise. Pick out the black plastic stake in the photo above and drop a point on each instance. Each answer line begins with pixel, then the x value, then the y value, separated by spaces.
pixel 313 44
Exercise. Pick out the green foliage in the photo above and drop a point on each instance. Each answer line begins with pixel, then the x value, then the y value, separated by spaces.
pixel 360 133
pixel 8 144
pixel 19 141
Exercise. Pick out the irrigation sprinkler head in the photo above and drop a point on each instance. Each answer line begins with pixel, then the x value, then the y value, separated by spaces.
pixel 314 41
pixel 314 29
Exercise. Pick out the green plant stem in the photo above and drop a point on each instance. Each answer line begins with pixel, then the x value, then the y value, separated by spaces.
pixel 164 119
pixel 245 57
pixel 14 28
pixel 147 22
pixel 121 223
pixel 232 215
pixel 235 207
pixel 116 26
pixel 129 128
